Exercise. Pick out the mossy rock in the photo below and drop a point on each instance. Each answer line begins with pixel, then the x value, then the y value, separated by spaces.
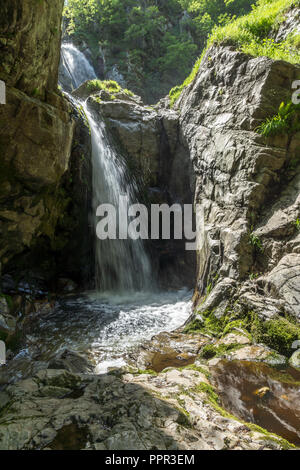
pixel 278 334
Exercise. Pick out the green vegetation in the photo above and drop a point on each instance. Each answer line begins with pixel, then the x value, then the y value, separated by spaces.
pixel 256 242
pixel 107 85
pixel 249 34
pixel 146 371
pixel 216 327
pixel 286 121
pixel 199 369
pixel 210 350
pixel 279 333
pixel 297 224
pixel 154 42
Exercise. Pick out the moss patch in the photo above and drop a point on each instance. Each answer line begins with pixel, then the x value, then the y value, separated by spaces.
pixel 278 334
pixel 110 86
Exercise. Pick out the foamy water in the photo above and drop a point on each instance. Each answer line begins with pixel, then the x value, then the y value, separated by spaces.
pixel 105 327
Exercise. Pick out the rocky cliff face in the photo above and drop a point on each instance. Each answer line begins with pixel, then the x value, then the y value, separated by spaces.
pixel 246 188
pixel 30 32
pixel 36 134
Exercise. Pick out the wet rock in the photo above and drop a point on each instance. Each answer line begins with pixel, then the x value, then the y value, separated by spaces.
pixel 291 24
pixel 8 285
pixel 129 408
pixel 169 350
pixel 7 321
pixel 250 353
pixel 265 395
pixel 235 169
pixel 217 298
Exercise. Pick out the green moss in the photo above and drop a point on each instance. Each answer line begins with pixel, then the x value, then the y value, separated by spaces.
pixel 278 334
pixel 210 351
pixel 210 325
pixel 209 390
pixel 146 371
pixel 237 324
pixel 195 326
pixel 286 121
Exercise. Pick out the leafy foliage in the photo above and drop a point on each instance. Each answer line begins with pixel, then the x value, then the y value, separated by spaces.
pixel 250 33
pixel 287 121
pixel 153 42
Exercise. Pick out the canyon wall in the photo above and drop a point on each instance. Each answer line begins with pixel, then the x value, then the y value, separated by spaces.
pixel 36 134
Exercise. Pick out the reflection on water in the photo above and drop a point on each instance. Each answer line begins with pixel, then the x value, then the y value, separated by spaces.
pixel 262 395
pixel 106 327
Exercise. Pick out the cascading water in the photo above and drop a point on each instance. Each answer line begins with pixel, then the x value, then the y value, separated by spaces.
pixel 121 265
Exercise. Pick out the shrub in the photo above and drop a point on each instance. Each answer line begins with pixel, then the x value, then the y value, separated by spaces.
pixel 287 121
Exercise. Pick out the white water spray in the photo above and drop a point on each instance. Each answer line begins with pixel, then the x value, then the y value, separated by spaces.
pixel 75 66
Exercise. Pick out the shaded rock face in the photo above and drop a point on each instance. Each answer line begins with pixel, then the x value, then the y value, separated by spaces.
pixel 40 162
pixel 30 33
pixel 245 188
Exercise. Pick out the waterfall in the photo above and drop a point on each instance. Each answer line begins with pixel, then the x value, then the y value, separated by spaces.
pixel 120 264
pixel 74 68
